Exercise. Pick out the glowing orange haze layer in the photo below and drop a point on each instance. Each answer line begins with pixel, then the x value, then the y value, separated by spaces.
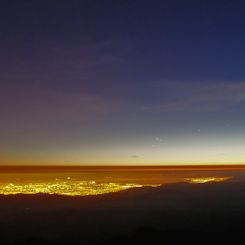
pixel 51 168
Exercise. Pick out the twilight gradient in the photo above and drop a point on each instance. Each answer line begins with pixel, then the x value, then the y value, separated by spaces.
pixel 122 82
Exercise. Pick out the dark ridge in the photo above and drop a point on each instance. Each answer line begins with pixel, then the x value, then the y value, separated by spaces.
pixel 169 214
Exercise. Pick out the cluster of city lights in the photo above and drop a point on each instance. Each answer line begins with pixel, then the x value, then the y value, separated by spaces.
pixel 84 188
pixel 71 188
pixel 203 180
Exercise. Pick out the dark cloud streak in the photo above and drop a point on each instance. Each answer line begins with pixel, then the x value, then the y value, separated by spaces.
pixel 196 97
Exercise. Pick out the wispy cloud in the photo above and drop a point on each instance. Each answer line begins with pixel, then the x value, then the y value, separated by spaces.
pixel 134 156
pixel 49 107
pixel 212 97
pixel 62 62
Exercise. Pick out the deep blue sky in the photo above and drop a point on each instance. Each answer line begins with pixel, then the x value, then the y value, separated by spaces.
pixel 122 82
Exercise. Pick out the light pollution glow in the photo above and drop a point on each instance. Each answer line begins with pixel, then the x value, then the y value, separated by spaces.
pixel 71 188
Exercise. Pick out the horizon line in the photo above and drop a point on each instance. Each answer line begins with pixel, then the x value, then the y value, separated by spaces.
pixel 186 167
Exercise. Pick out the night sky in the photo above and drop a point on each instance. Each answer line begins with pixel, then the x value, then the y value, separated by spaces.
pixel 122 82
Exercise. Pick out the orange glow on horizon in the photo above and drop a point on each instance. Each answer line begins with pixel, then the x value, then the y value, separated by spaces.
pixel 84 168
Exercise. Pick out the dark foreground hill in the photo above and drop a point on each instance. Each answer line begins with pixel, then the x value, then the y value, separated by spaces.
pixel 173 214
